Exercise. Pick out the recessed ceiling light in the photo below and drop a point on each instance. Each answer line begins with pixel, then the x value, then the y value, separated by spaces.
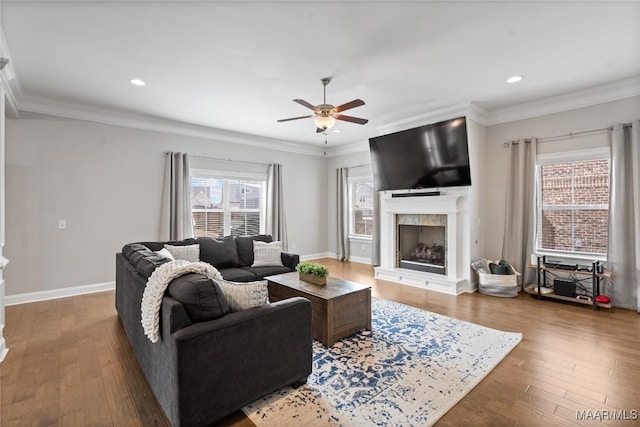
pixel 137 82
pixel 337 130
pixel 514 79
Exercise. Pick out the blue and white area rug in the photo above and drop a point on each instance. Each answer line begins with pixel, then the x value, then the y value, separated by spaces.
pixel 408 371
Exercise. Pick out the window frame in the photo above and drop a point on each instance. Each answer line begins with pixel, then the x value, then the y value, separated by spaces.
pixel 352 181
pixel 227 209
pixel 601 153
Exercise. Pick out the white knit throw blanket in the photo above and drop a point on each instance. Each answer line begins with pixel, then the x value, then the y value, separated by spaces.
pixel 157 284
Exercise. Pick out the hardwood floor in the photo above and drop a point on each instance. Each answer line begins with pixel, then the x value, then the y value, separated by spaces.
pixel 70 363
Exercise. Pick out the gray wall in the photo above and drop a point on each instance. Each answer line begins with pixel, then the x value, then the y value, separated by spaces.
pixel 593 117
pixel 106 181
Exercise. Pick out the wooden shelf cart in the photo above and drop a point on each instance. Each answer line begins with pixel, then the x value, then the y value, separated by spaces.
pixel 596 279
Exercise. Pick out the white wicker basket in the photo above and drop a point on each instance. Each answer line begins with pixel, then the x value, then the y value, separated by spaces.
pixel 499 285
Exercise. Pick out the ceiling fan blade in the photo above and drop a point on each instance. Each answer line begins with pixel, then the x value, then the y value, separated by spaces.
pixel 305 104
pixel 352 119
pixel 295 118
pixel 352 104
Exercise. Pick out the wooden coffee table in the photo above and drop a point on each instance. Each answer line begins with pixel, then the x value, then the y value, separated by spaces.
pixel 339 309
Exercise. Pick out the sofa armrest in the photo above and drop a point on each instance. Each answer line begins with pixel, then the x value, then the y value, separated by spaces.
pixel 290 260
pixel 246 354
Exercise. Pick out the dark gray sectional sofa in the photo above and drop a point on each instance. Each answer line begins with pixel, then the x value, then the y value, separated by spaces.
pixel 209 362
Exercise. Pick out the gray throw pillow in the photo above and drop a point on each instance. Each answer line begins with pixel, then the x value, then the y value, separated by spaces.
pixel 245 295
pixel 189 253
pixel 267 254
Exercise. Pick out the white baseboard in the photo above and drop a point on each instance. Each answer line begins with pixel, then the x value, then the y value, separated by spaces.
pixel 3 350
pixel 58 293
pixel 360 260
pixel 317 256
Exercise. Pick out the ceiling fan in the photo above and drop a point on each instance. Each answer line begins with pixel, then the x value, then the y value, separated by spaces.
pixel 325 115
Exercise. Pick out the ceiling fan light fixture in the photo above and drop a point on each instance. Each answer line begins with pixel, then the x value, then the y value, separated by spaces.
pixel 325 121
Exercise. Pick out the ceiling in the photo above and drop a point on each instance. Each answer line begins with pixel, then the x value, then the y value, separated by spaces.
pixel 237 66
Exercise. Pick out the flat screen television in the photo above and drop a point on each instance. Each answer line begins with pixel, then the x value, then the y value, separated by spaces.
pixel 431 156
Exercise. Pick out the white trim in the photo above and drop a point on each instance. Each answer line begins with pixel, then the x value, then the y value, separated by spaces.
pixel 574 155
pixel 317 256
pixel 173 127
pixel 58 293
pixel 356 238
pixel 213 173
pixel 3 346
pixel 586 258
pixel 360 260
pixel 601 94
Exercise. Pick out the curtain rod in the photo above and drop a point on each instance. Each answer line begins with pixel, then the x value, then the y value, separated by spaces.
pixel 225 160
pixel 565 135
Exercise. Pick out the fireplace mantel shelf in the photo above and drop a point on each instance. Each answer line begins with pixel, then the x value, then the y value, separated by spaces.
pixel 423 205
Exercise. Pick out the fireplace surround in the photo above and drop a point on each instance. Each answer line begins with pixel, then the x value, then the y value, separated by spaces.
pixel 440 211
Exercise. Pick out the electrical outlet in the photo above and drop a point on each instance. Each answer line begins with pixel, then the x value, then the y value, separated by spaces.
pixel 62 224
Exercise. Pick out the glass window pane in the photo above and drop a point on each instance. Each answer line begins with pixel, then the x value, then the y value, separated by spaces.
pixel 574 198
pixel 591 182
pixel 362 208
pixel 591 231
pixel 243 207
pixel 556 230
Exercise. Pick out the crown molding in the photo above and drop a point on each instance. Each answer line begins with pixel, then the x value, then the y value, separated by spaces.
pixel 138 121
pixel 468 109
pixel 601 94
pixel 351 148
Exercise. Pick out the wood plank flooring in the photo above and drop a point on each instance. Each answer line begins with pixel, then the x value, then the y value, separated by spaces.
pixel 70 363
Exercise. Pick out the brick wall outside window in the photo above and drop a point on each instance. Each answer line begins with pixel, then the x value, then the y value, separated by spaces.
pixel 574 214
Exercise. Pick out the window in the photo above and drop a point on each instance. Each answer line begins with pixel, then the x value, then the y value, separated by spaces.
pixel 573 203
pixel 227 205
pixel 361 207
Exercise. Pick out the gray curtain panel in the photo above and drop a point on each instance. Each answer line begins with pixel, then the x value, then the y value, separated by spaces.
pixel 623 254
pixel 342 223
pixel 520 206
pixel 176 222
pixel 375 234
pixel 275 218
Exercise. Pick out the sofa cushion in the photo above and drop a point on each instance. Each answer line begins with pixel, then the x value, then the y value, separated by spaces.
pixel 243 296
pixel 156 246
pixel 148 264
pixel 202 298
pixel 266 254
pixel 221 253
pixel 262 272
pixel 236 274
pixel 189 253
pixel 245 247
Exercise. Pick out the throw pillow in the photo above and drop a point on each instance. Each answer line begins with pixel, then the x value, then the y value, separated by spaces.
pixel 221 253
pixel 267 254
pixel 165 253
pixel 245 247
pixel 202 298
pixel 507 266
pixel 481 266
pixel 245 295
pixel 189 253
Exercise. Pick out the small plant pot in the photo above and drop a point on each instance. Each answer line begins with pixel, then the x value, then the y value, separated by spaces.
pixel 317 280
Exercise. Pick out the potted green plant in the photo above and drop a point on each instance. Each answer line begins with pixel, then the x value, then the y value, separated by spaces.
pixel 313 273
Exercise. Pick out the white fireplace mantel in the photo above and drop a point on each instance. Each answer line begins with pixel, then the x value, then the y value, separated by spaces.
pixel 449 205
